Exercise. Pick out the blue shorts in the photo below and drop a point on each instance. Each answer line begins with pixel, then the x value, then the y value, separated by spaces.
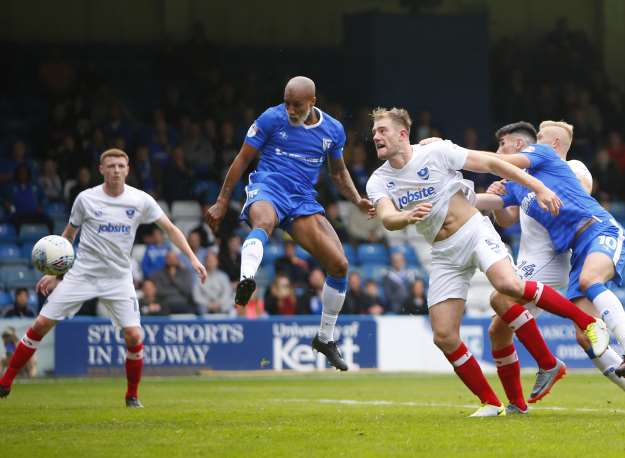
pixel 606 239
pixel 287 206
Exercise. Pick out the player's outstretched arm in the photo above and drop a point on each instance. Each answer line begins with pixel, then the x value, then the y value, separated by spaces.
pixel 492 200
pixel 480 162
pixel 394 220
pixel 343 181
pixel 177 238
pixel 239 165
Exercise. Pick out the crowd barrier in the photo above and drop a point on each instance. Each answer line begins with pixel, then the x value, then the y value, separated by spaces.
pixel 86 346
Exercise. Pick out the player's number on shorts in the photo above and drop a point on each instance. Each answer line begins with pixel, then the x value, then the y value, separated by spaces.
pixel 608 242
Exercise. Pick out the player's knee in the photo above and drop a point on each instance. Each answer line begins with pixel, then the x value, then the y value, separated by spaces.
pixel 586 280
pixel 447 341
pixel 132 336
pixel 340 267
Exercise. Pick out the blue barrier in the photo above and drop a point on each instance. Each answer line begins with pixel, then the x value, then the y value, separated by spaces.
pixel 84 346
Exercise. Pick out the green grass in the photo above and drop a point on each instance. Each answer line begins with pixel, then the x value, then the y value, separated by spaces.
pixel 422 415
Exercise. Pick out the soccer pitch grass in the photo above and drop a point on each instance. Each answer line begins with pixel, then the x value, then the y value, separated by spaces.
pixel 321 414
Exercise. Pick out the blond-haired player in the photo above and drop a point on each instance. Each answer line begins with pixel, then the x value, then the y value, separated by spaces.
pixel 421 185
pixel 107 216
pixel 582 225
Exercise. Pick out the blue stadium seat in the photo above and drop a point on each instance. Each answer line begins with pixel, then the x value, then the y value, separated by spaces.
pixel 272 252
pixel 12 254
pixel 350 254
pixel 7 233
pixel 372 271
pixel 265 276
pixel 18 277
pixel 33 232
pixel 27 250
pixel 372 253
pixel 410 256
pixel 5 298
pixel 56 210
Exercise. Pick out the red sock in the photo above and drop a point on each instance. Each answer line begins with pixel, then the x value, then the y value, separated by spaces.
pixel 509 371
pixel 469 371
pixel 549 299
pixel 25 349
pixel 134 366
pixel 524 326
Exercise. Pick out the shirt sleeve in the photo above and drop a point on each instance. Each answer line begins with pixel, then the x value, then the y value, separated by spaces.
pixel 259 132
pixel 336 150
pixel 375 189
pixel 152 210
pixel 453 156
pixel 509 198
pixel 77 216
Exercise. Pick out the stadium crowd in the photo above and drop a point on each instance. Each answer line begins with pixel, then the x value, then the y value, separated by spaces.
pixel 181 138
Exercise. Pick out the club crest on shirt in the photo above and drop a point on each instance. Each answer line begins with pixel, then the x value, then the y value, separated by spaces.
pixel 130 213
pixel 327 143
pixel 252 130
pixel 424 173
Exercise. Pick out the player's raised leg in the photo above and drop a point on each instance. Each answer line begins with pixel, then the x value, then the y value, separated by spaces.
pixel 316 235
pixel 134 364
pixel 263 219
pixel 24 351
pixel 445 318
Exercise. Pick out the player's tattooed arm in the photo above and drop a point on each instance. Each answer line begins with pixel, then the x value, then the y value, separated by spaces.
pixel 343 181
pixel 394 220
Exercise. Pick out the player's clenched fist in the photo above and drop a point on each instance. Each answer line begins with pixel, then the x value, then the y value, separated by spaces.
pixel 46 284
pixel 548 200
pixel 214 215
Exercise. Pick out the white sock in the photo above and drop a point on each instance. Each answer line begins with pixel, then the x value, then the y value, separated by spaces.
pixel 332 300
pixel 606 363
pixel 251 256
pixel 611 311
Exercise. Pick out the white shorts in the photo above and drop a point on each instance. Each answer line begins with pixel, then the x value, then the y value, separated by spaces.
pixel 117 294
pixel 454 260
pixel 547 267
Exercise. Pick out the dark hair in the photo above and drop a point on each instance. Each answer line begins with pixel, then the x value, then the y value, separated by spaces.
pixel 521 127
pixel 20 290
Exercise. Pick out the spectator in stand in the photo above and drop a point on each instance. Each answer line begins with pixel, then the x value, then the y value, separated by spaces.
pixel 423 128
pixel 26 201
pixel 336 220
pixel 605 174
pixel 215 295
pixel 70 157
pixel 361 228
pixel 357 166
pixel 83 182
pixel 97 145
pixel 177 178
pixel 207 238
pixel 200 152
pixel 310 302
pixel 280 299
pixel 356 301
pixel 397 282
pixel 147 301
pixel 616 149
pixel 174 286
pixel 374 300
pixel 195 242
pixel 9 165
pixel 117 124
pixel 20 306
pixel 147 177
pixel 10 341
pixel 230 257
pixel 155 252
pixel 416 303
pixel 50 181
pixel 293 266
pixel 228 146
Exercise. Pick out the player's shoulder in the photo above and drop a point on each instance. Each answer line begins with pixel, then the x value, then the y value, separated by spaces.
pixel 380 173
pixel 136 193
pixel 275 113
pixel 91 193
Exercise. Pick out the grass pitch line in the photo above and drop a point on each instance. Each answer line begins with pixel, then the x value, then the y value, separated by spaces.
pixel 442 405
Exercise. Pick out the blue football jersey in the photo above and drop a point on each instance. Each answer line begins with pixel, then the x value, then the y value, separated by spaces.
pixel 577 205
pixel 292 155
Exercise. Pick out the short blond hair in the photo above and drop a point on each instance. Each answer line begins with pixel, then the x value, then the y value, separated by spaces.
pixel 114 152
pixel 397 115
pixel 568 128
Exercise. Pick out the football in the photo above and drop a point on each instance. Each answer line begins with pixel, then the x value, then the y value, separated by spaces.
pixel 53 255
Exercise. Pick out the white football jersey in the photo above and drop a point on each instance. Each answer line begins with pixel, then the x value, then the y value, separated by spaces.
pixel 107 229
pixel 430 176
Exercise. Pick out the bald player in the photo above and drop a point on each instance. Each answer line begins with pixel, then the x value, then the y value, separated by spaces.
pixel 293 140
